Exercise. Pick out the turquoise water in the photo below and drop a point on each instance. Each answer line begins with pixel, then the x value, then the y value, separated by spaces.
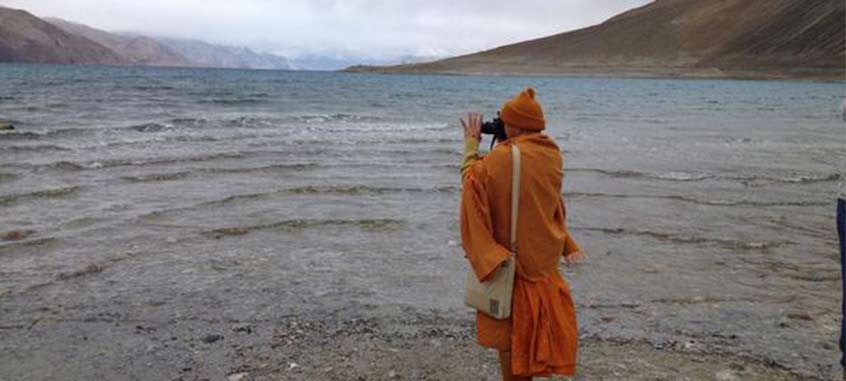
pixel 706 207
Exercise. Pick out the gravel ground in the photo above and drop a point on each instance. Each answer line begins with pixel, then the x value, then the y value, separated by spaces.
pixel 416 346
pixel 438 350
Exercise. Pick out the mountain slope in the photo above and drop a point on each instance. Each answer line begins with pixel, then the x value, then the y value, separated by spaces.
pixel 26 38
pixel 208 55
pixel 701 38
pixel 138 50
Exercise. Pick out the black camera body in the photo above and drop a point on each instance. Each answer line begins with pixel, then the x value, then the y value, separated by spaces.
pixel 496 127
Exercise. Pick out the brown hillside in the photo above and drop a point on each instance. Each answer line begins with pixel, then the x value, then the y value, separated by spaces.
pixel 700 38
pixel 139 50
pixel 26 38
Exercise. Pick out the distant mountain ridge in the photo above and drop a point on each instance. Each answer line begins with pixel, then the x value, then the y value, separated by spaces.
pixel 27 38
pixel 139 50
pixel 209 55
pixel 669 38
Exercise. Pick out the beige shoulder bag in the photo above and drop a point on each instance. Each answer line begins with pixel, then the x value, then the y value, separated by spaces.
pixel 493 296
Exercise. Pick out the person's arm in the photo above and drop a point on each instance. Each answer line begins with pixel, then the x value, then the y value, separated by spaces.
pixel 572 251
pixel 484 253
pixel 472 126
pixel 471 155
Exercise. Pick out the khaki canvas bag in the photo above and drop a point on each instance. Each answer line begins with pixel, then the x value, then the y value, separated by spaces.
pixel 493 296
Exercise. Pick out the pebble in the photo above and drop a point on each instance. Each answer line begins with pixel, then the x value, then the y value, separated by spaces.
pixel 800 316
pixel 244 328
pixel 212 338
pixel 727 375
pixel 238 376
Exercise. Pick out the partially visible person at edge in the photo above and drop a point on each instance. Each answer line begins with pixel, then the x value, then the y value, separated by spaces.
pixel 540 338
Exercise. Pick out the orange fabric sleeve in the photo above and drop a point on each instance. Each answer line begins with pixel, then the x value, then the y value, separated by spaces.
pixel 471 155
pixel 570 245
pixel 482 250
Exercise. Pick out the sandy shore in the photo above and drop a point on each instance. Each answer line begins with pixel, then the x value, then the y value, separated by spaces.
pixel 364 350
pixel 410 347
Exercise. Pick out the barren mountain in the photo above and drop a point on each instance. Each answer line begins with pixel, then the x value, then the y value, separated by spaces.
pixel 139 50
pixel 26 38
pixel 693 38
pixel 209 55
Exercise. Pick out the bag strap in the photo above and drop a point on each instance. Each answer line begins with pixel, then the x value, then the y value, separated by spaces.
pixel 515 194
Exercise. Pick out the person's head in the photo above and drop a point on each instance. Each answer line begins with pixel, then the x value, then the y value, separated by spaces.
pixel 522 114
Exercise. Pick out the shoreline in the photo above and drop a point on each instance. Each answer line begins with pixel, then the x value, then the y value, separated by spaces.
pixel 753 76
pixel 833 75
pixel 408 346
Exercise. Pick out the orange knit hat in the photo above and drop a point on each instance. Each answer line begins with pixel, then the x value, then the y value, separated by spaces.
pixel 523 112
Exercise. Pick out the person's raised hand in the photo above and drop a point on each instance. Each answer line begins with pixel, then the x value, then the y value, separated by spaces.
pixel 472 124
pixel 574 258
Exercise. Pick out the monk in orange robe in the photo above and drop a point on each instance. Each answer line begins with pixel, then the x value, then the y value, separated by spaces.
pixel 540 338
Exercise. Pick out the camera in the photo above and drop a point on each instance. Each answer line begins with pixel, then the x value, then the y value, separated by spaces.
pixel 496 127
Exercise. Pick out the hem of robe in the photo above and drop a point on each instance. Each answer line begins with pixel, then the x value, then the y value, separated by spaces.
pixel 546 315
pixel 567 370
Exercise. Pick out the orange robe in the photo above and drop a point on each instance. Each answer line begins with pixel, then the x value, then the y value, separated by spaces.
pixel 541 333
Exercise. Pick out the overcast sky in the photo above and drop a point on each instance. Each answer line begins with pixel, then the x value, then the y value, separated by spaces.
pixel 362 28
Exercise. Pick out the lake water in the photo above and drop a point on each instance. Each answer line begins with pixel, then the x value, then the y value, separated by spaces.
pixel 706 207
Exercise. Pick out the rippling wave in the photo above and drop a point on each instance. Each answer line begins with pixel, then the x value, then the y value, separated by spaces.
pixel 682 239
pixel 667 176
pixel 365 189
pixel 33 148
pixel 298 167
pixel 689 176
pixel 157 177
pixel 370 225
pixel 190 123
pixel 337 190
pixel 151 127
pixel 139 162
pixel 234 101
pixel 30 135
pixel 16 246
pixel 807 179
pixel 40 194
pixel 692 200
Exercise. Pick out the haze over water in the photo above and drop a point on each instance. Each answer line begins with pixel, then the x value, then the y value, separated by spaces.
pixel 706 207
